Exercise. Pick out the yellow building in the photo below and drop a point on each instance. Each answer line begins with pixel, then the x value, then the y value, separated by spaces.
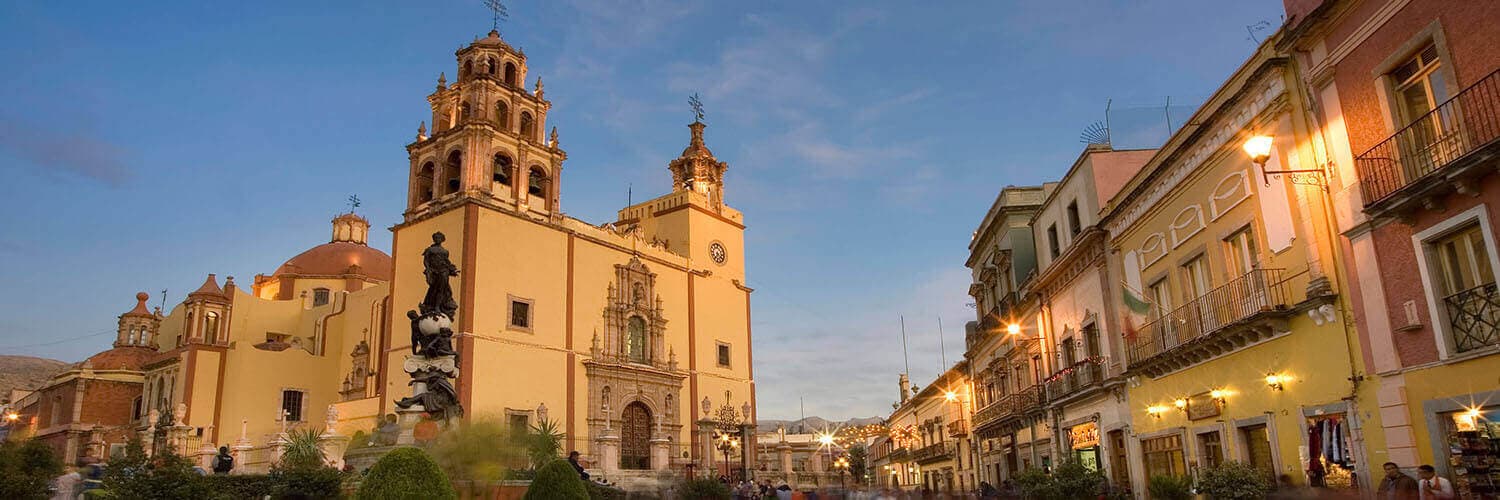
pixel 927 448
pixel 633 335
pixel 1239 349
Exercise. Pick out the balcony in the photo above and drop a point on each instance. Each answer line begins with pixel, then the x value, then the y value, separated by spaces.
pixel 1002 416
pixel 958 428
pixel 1474 317
pixel 1252 307
pixel 933 453
pixel 1443 150
pixel 1075 379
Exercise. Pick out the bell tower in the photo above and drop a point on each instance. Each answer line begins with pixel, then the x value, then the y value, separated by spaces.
pixel 487 140
pixel 698 170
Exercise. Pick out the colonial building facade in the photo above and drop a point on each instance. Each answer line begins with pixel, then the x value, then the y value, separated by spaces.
pixel 628 334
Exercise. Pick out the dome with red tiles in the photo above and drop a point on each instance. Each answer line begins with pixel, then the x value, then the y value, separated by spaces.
pixel 347 254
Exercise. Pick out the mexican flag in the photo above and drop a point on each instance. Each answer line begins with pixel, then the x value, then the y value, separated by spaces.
pixel 1135 305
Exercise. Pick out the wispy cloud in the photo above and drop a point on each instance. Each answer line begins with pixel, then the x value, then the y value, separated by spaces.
pixel 72 153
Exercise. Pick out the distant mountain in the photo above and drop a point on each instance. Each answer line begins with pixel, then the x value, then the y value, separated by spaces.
pixel 813 424
pixel 26 372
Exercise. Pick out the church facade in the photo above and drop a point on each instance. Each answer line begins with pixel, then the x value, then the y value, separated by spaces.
pixel 632 335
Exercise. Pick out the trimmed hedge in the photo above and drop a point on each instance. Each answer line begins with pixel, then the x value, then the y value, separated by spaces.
pixel 704 489
pixel 406 473
pixel 557 481
pixel 240 486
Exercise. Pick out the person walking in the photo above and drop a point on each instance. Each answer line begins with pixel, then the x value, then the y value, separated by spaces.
pixel 1433 486
pixel 1396 485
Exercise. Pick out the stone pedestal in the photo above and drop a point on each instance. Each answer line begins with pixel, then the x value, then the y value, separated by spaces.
pixel 278 446
pixel 816 464
pixel 661 454
pixel 708 451
pixel 206 454
pixel 408 418
pixel 609 453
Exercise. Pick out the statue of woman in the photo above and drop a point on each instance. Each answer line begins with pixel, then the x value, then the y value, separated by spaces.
pixel 437 268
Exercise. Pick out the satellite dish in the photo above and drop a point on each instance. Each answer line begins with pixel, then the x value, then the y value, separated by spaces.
pixel 1095 133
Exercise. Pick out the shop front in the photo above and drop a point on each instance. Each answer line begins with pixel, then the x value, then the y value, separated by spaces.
pixel 1083 439
pixel 1472 450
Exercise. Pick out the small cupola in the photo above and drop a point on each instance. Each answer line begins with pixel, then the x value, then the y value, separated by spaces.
pixel 351 228
pixel 138 326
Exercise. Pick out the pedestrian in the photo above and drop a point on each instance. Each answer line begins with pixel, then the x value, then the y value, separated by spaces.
pixel 1397 485
pixel 223 463
pixel 1433 486
pixel 783 492
pixel 66 486
pixel 573 459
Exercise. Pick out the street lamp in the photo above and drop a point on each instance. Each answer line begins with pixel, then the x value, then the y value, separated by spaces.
pixel 1258 147
pixel 1013 329
pixel 842 464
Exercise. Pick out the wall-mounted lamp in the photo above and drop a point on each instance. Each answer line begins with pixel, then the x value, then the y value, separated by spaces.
pixel 950 396
pixel 1218 394
pixel 1156 411
pixel 1277 382
pixel 1258 147
pixel 1180 403
pixel 1013 329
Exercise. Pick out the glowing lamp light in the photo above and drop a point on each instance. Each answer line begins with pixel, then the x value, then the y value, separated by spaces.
pixel 1277 382
pixel 1013 329
pixel 12 416
pixel 950 396
pixel 825 439
pixel 1259 148
pixel 1218 393
pixel 1156 411
pixel 1180 403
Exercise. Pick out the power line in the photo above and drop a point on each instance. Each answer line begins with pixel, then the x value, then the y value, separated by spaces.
pixel 55 342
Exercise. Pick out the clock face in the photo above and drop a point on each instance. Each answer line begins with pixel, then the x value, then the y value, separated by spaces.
pixel 716 251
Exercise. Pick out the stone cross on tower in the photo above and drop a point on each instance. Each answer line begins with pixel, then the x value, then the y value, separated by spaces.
pixel 697 106
pixel 497 12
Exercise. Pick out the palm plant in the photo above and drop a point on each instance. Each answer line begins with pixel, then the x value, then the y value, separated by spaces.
pixel 303 450
pixel 545 442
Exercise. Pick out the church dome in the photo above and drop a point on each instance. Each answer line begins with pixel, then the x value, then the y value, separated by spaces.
pixel 339 258
pixel 120 358
pixel 346 254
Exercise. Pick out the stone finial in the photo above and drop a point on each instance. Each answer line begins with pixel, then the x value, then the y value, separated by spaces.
pixel 707 406
pixel 553 142
pixel 422 131
pixel 180 417
pixel 442 81
pixel 538 88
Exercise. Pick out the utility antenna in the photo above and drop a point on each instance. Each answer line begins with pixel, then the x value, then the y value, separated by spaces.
pixel 943 349
pixel 629 195
pixel 904 359
pixel 497 12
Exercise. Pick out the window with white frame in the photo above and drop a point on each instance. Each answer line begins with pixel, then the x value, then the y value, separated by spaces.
pixel 1240 252
pixel 1457 265
pixel 1419 86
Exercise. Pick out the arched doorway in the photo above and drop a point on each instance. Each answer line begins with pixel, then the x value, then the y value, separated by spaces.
pixel 635 437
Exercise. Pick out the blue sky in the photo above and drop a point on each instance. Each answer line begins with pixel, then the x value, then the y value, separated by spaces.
pixel 145 146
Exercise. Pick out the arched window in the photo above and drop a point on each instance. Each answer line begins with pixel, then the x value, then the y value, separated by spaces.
pixel 510 74
pixel 450 172
pixel 527 126
pixel 468 70
pixel 463 112
pixel 502 115
pixel 636 340
pixel 536 183
pixel 424 182
pixel 502 166
pixel 211 326
pixel 489 66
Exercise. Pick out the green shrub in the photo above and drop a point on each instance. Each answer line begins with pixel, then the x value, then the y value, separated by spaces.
pixel 1170 487
pixel 601 492
pixel 306 483
pixel 557 481
pixel 303 451
pixel 544 443
pixel 165 476
pixel 478 450
pixel 239 486
pixel 405 473
pixel 700 489
pixel 1233 481
pixel 26 468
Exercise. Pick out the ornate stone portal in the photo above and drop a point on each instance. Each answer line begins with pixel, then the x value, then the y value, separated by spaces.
pixel 433 363
pixel 634 382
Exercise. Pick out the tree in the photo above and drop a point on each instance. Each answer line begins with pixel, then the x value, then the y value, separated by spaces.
pixel 858 462
pixel 166 476
pixel 406 473
pixel 557 481
pixel 26 469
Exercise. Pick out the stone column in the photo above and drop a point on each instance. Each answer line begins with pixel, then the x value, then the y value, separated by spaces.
pixel 609 452
pixel 661 454
pixel 206 454
pixel 784 452
pixel 709 452
pixel 332 444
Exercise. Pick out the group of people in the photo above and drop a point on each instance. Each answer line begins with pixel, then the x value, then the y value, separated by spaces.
pixel 1428 485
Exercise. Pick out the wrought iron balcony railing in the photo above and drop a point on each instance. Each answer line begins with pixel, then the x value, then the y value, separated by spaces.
pixel 958 428
pixel 1074 378
pixel 933 453
pixel 1257 291
pixel 1466 122
pixel 1474 317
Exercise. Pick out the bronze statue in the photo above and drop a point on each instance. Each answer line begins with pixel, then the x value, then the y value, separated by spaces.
pixel 438 269
pixel 440 400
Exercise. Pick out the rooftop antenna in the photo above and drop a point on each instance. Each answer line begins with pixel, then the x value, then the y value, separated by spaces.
pixel 163 305
pixel 941 347
pixel 629 195
pixel 904 359
pixel 1095 133
pixel 497 12
pixel 802 415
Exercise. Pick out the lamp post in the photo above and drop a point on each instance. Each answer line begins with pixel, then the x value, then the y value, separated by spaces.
pixel 1258 147
pixel 842 465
